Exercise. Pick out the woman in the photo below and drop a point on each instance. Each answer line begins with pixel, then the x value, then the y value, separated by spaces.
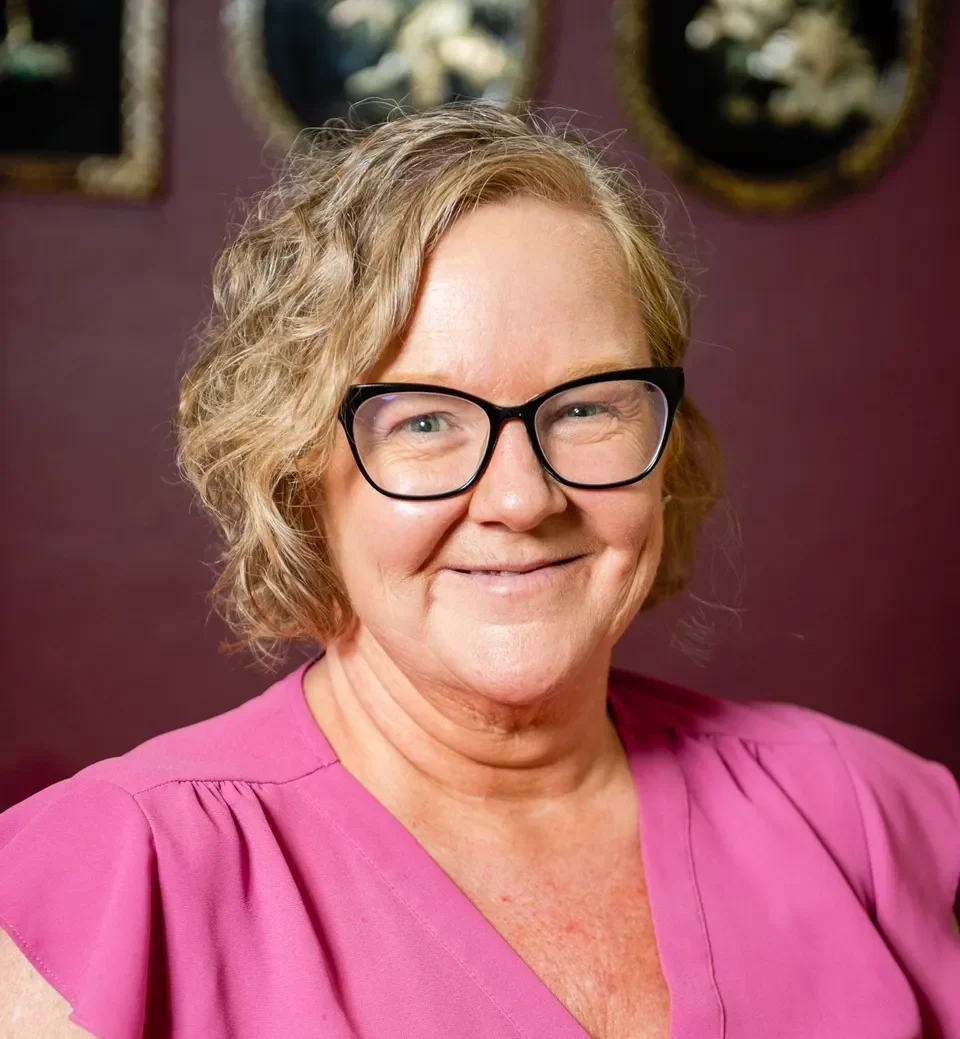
pixel 440 420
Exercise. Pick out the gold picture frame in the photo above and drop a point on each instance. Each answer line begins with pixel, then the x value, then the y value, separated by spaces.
pixel 111 143
pixel 861 159
pixel 271 112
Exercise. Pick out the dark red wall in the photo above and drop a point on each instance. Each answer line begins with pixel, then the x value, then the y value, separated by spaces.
pixel 825 352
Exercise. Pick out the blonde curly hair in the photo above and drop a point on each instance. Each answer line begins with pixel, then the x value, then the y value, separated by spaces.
pixel 315 287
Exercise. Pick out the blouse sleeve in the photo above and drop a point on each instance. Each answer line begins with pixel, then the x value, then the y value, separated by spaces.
pixel 910 809
pixel 77 896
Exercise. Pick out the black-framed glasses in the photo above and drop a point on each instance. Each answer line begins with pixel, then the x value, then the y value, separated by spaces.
pixel 422 442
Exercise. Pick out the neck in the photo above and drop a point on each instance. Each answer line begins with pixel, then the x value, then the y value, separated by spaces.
pixel 424 745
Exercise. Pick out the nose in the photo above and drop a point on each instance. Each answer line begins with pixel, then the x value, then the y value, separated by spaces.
pixel 515 490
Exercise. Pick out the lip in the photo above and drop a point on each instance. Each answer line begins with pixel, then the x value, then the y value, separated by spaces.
pixel 540 577
pixel 511 568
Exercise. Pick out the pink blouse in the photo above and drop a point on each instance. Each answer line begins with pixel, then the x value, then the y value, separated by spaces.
pixel 231 880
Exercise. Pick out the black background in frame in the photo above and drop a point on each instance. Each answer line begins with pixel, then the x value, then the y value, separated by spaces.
pixel 687 84
pixel 76 116
pixel 308 61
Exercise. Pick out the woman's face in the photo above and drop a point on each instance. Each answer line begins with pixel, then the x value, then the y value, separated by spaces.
pixel 516 298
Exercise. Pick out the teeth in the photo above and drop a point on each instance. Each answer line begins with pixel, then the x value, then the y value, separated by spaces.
pixel 504 573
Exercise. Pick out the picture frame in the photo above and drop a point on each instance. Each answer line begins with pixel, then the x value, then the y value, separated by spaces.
pixel 296 63
pixel 778 105
pixel 81 96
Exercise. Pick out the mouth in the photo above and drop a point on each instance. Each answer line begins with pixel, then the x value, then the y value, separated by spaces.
pixel 517 584
pixel 516 571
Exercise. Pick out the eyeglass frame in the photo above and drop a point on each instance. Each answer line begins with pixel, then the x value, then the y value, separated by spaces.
pixel 669 380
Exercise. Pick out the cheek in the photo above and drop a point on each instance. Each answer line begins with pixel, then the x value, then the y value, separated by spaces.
pixel 627 523
pixel 374 537
pixel 630 531
pixel 636 537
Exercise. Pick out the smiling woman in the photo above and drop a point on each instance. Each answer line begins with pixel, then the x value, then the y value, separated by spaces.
pixel 322 288
pixel 441 419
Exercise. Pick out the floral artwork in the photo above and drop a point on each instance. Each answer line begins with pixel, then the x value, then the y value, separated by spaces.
pixel 776 104
pixel 818 70
pixel 296 63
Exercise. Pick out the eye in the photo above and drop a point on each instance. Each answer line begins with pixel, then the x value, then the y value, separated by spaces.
pixel 582 410
pixel 432 423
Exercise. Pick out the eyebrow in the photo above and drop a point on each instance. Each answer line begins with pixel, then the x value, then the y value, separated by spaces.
pixel 597 367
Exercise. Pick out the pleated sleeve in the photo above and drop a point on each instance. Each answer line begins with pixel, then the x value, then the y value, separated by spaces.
pixel 78 895
pixel 910 812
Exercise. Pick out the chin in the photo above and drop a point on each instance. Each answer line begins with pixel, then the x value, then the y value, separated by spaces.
pixel 510 667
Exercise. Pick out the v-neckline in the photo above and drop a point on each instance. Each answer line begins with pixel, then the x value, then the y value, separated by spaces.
pixel 418 882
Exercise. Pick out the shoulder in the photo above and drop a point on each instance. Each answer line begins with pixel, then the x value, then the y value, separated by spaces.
pixel 895 814
pixel 888 818
pixel 257 742
pixel 909 808
pixel 651 703
pixel 77 896
pixel 174 799
pixel 878 769
pixel 94 868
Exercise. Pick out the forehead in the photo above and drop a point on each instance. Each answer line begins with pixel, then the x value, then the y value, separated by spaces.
pixel 518 297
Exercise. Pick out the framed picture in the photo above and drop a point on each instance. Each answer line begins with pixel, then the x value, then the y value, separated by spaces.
pixel 297 63
pixel 775 105
pixel 81 95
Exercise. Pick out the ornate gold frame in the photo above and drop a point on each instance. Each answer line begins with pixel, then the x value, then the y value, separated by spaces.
pixel 267 111
pixel 854 166
pixel 135 173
